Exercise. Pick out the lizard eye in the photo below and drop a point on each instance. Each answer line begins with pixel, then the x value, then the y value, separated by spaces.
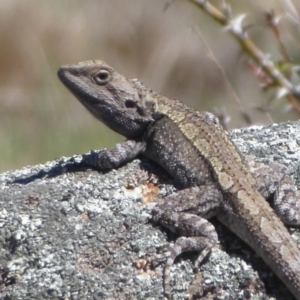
pixel 102 77
pixel 130 103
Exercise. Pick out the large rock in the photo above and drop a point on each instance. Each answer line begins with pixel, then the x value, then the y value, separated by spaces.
pixel 67 232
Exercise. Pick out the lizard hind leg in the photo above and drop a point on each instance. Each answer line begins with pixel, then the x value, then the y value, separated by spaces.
pixel 185 213
pixel 201 244
pixel 274 180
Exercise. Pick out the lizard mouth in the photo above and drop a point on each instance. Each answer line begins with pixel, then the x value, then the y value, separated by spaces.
pixel 71 77
pixel 68 74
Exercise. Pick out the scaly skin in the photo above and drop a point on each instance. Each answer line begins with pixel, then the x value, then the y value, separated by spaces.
pixel 193 148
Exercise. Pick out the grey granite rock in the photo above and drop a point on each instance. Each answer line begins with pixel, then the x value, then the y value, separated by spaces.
pixel 67 232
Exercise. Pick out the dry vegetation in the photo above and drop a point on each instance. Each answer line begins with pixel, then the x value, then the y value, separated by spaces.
pixel 169 50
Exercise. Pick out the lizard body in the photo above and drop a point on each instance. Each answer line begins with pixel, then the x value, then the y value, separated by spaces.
pixel 195 150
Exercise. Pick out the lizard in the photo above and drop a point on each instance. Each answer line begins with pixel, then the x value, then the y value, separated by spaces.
pixel 193 148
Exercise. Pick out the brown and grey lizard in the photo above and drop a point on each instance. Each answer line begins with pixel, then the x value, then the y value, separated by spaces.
pixel 195 150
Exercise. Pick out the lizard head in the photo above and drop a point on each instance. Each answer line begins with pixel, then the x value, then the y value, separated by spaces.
pixel 119 103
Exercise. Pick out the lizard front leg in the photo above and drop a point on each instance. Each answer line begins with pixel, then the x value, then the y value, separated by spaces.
pixel 113 158
pixel 185 213
pixel 274 180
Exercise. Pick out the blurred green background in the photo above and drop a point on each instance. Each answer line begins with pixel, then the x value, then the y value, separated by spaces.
pixel 166 49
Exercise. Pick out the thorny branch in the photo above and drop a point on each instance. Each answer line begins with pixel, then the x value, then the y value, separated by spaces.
pixel 234 26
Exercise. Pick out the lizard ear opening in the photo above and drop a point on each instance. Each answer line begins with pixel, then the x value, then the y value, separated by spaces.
pixel 130 103
pixel 102 77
